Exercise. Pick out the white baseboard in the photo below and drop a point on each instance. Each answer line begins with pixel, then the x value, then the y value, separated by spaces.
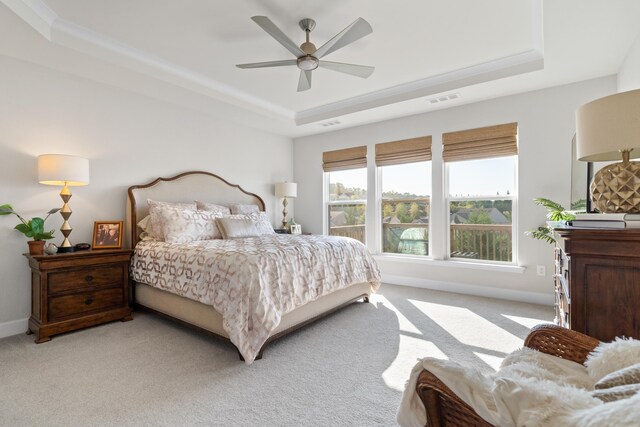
pixel 14 327
pixel 464 288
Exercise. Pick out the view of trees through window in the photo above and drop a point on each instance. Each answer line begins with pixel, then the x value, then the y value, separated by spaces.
pixel 406 205
pixel 348 203
pixel 480 201
pixel 481 208
pixel 481 229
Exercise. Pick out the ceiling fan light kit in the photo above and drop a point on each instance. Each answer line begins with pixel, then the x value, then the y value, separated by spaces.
pixel 307 56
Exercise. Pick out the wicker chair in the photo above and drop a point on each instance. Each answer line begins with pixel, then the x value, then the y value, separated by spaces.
pixel 446 409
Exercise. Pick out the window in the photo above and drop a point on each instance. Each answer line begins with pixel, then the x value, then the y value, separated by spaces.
pixel 405 203
pixel 346 192
pixel 481 172
pixel 405 180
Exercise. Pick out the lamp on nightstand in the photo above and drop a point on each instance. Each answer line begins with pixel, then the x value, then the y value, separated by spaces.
pixel 609 129
pixel 284 190
pixel 67 171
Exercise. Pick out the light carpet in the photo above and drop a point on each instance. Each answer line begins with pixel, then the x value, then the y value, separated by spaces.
pixel 347 369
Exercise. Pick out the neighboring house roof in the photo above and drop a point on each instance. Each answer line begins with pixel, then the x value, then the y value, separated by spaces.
pixel 338 218
pixel 462 215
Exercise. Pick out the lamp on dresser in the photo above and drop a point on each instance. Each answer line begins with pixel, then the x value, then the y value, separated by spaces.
pixel 609 129
pixel 67 171
pixel 284 190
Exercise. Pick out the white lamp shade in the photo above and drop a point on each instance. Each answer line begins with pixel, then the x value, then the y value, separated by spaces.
pixel 608 125
pixel 286 189
pixel 61 169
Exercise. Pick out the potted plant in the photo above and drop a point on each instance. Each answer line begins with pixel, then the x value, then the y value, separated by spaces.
pixel 33 228
pixel 556 214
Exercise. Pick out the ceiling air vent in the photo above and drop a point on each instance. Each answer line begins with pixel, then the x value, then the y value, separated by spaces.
pixel 443 98
pixel 330 123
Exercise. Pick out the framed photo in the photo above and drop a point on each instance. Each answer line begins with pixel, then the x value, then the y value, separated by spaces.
pixel 296 229
pixel 107 235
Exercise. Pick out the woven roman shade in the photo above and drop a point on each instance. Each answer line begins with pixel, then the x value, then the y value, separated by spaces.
pixel 348 158
pixel 480 143
pixel 405 151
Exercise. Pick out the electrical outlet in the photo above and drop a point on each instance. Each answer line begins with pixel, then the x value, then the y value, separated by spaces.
pixel 541 270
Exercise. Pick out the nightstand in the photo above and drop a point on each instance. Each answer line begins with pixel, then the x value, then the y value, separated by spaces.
pixel 76 290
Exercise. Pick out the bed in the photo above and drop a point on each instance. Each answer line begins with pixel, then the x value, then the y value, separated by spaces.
pixel 277 293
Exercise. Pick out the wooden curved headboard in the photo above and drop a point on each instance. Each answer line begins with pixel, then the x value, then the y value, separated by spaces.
pixel 185 187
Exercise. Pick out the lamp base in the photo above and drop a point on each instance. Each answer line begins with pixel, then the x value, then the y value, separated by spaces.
pixel 616 188
pixel 66 249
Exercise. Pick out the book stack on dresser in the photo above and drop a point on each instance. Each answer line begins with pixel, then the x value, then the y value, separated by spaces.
pixel 606 220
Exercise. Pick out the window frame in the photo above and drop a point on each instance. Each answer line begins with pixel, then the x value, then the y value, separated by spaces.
pixel 378 215
pixel 514 214
pixel 327 202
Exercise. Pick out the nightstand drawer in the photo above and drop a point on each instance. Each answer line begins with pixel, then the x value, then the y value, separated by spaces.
pixel 84 302
pixel 79 279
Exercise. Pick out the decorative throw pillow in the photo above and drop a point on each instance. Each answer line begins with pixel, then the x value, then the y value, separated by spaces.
pixel 145 225
pixel 204 206
pixel 262 223
pixel 184 225
pixel 233 228
pixel 628 375
pixel 616 393
pixel 613 356
pixel 154 208
pixel 237 208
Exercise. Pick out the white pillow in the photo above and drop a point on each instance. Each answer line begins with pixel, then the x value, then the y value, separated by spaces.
pixel 613 356
pixel 204 206
pixel 232 228
pixel 261 220
pixel 237 208
pixel 184 225
pixel 154 208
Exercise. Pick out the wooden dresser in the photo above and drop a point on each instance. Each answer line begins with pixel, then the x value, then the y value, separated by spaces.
pixel 597 282
pixel 75 290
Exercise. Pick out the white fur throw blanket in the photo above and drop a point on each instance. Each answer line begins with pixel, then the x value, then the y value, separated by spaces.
pixel 530 389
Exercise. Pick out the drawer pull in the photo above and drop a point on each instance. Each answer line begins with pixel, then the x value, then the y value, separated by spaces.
pixel 88 278
pixel 88 301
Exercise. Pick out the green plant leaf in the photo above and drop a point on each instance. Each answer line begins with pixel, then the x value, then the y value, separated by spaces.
pixel 44 236
pixel 6 210
pixel 549 204
pixel 37 225
pixel 52 211
pixel 542 233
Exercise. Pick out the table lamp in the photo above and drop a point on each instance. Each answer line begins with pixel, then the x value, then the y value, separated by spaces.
pixel 609 129
pixel 68 171
pixel 284 190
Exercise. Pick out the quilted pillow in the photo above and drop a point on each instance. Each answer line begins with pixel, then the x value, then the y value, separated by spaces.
pixel 613 356
pixel 154 209
pixel 616 393
pixel 184 225
pixel 237 208
pixel 629 375
pixel 204 206
pixel 232 228
pixel 261 220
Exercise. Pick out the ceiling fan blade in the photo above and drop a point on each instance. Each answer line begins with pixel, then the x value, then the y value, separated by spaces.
pixel 305 81
pixel 358 29
pixel 268 64
pixel 275 32
pixel 363 71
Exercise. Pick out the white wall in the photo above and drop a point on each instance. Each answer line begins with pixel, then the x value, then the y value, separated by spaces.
pixel 546 126
pixel 629 74
pixel 129 139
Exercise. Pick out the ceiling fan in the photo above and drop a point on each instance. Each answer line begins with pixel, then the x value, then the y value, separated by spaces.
pixel 307 56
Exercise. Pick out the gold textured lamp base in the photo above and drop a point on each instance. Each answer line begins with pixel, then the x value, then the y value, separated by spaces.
pixel 616 187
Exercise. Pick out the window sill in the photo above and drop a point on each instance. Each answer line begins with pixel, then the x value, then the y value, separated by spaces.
pixel 506 268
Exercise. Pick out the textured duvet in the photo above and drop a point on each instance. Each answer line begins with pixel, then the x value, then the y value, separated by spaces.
pixel 253 281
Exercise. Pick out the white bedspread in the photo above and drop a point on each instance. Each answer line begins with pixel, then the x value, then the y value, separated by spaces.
pixel 253 281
